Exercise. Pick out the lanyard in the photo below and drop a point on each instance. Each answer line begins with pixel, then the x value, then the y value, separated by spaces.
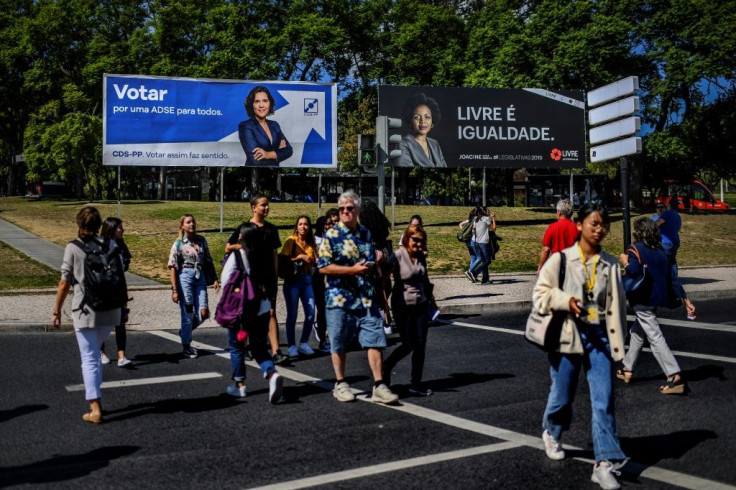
pixel 589 279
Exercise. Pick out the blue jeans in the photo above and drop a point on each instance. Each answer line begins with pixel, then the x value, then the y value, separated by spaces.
pixel 299 288
pixel 483 260
pixel 257 329
pixel 564 370
pixel 671 251
pixel 471 251
pixel 192 298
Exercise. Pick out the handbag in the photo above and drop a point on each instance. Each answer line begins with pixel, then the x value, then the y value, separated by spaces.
pixel 544 331
pixel 638 289
pixel 289 269
pixel 674 287
pixel 235 296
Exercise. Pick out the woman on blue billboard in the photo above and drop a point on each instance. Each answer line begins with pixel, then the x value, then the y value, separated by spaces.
pixel 263 142
pixel 420 114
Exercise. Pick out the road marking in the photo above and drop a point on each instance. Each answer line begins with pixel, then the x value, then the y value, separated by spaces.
pixel 515 438
pixel 691 324
pixel 694 355
pixel 367 471
pixel 149 381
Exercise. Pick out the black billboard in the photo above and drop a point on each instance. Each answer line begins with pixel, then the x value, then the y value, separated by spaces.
pixel 482 127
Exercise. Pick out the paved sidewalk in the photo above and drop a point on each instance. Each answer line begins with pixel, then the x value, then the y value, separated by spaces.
pixel 48 253
pixel 153 309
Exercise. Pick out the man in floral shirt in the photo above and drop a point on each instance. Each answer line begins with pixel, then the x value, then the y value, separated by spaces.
pixel 346 257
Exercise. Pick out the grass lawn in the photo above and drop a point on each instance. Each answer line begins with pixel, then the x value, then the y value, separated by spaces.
pixel 18 271
pixel 151 228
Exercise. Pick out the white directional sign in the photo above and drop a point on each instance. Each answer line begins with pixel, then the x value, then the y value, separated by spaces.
pixel 621 148
pixel 614 110
pixel 613 91
pixel 614 130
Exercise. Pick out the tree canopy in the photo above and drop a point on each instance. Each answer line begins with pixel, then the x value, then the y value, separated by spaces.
pixel 54 53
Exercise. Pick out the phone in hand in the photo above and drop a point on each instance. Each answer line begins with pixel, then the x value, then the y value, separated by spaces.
pixel 369 263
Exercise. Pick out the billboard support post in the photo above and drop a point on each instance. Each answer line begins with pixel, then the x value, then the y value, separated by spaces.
pixel 120 211
pixel 222 195
pixel 485 201
pixel 393 197
pixel 625 200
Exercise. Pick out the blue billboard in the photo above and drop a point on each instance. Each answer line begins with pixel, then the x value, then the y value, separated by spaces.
pixel 166 121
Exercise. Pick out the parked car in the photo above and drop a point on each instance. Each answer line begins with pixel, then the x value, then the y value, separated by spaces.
pixel 693 196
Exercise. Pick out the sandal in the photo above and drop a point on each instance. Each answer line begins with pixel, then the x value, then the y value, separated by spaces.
pixel 625 375
pixel 672 387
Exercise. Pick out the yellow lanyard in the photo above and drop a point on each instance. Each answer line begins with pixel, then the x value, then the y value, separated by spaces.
pixel 589 279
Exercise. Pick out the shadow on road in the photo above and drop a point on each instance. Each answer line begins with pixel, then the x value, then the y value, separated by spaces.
pixel 6 415
pixel 63 468
pixel 649 450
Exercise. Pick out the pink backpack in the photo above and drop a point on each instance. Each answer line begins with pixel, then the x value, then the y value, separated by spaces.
pixel 235 296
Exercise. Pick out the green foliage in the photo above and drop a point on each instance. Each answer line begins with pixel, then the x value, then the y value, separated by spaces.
pixel 53 54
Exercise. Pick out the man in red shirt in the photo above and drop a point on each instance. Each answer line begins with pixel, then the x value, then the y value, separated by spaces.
pixel 559 235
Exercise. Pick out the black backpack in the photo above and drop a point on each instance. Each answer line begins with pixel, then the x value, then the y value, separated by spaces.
pixel 104 279
pixel 466 232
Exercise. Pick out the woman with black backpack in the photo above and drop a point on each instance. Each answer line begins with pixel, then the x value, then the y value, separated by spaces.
pixel 94 313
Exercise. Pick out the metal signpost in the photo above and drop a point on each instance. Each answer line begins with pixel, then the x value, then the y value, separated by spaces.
pixel 617 114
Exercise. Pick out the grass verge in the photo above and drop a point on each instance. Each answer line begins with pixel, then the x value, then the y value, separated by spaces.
pixel 151 227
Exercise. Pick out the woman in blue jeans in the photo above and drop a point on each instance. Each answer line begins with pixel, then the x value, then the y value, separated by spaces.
pixel 300 250
pixel 188 258
pixel 256 316
pixel 592 339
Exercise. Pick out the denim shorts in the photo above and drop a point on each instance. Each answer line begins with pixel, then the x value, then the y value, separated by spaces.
pixel 342 324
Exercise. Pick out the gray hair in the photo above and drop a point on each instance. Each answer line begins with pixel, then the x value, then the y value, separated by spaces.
pixel 350 196
pixel 564 206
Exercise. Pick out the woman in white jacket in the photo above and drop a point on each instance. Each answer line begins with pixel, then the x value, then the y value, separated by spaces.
pixel 592 338
pixel 255 317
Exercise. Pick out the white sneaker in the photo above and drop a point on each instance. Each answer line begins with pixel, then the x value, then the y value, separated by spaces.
pixel 275 387
pixel 552 447
pixel 105 359
pixel 604 474
pixel 293 352
pixel 383 394
pixel 236 391
pixel 305 349
pixel 124 362
pixel 342 392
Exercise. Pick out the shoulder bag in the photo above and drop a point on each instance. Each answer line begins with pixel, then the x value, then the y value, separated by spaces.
pixel 289 269
pixel 638 289
pixel 544 331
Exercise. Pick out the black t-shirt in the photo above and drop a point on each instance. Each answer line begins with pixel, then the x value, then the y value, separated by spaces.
pixel 263 268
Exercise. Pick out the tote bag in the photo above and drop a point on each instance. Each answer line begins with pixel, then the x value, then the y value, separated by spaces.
pixel 544 331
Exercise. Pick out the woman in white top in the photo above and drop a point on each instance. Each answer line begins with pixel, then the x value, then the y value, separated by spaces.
pixel 592 339
pixel 90 326
pixel 256 316
pixel 485 224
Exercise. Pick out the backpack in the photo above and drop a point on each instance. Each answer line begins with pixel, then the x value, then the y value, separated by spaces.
pixel 236 295
pixel 104 279
pixel 466 232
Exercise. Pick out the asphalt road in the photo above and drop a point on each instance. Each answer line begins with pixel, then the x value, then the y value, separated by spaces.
pixel 480 429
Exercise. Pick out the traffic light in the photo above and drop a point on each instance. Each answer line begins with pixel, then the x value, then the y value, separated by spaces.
pixel 367 151
pixel 385 142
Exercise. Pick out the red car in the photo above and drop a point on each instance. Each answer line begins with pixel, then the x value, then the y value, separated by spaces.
pixel 691 196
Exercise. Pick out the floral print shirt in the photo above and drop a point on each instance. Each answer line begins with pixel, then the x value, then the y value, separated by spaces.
pixel 340 246
pixel 184 253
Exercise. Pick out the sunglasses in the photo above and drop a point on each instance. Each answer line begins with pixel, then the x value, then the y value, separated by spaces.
pixel 346 209
pixel 416 239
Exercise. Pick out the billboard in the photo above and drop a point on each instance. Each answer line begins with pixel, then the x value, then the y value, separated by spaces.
pixel 166 121
pixel 481 127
